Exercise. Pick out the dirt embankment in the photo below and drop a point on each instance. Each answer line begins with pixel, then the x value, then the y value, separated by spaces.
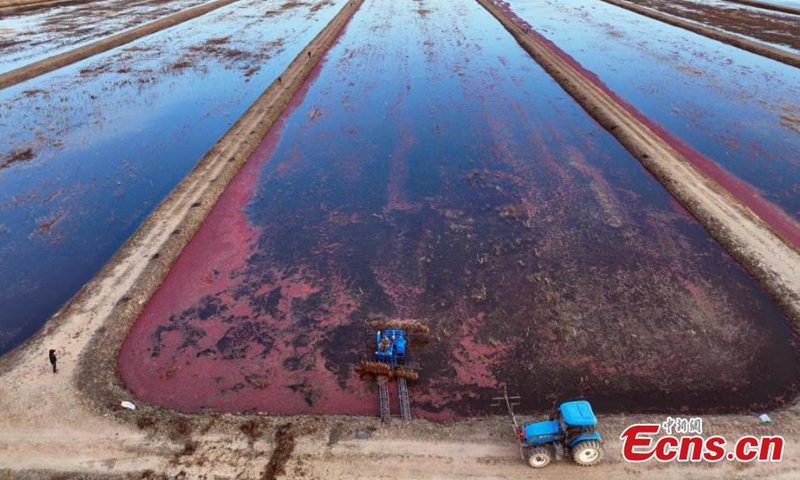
pixel 768 6
pixel 766 26
pixel 339 448
pixel 729 38
pixel 16 6
pixel 67 58
pixel 757 234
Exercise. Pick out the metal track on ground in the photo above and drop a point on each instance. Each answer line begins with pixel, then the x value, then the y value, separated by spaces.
pixel 383 395
pixel 405 404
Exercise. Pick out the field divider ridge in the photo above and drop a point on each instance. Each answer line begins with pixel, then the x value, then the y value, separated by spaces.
pixel 775 7
pixel 11 7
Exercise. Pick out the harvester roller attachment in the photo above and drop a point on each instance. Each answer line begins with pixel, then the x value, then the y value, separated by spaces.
pixel 375 368
pixel 405 374
pixel 385 370
pixel 411 327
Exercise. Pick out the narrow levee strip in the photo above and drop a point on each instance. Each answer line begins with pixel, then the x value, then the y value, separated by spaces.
pixel 760 236
pixel 768 6
pixel 50 64
pixel 740 42
pixel 770 28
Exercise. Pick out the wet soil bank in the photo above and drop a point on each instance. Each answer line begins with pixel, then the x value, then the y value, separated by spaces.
pixel 67 58
pixel 435 172
pixel 758 48
pixel 18 6
pixel 769 27
pixel 768 6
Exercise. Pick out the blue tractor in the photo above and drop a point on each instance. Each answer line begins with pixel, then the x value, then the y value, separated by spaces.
pixel 390 346
pixel 573 428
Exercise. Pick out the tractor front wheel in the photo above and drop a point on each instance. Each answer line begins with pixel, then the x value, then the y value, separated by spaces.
pixel 540 457
pixel 587 453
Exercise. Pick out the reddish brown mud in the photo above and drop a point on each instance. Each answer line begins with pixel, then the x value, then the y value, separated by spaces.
pixel 17 156
pixel 758 48
pixel 16 6
pixel 763 25
pixel 768 6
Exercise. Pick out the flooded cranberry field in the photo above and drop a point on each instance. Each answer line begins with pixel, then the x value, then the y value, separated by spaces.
pixel 89 150
pixel 431 170
pixel 735 107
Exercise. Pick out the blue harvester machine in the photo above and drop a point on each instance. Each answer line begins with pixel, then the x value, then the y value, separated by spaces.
pixel 387 360
pixel 571 429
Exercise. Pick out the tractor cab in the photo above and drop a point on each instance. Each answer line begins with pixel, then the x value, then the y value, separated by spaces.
pixel 573 428
pixel 578 421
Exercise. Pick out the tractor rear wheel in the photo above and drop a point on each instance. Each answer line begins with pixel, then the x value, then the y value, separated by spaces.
pixel 587 453
pixel 540 457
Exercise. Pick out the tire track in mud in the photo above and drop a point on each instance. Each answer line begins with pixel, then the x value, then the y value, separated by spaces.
pixel 285 443
pixel 767 6
pixel 47 65
pixel 751 46
pixel 756 233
